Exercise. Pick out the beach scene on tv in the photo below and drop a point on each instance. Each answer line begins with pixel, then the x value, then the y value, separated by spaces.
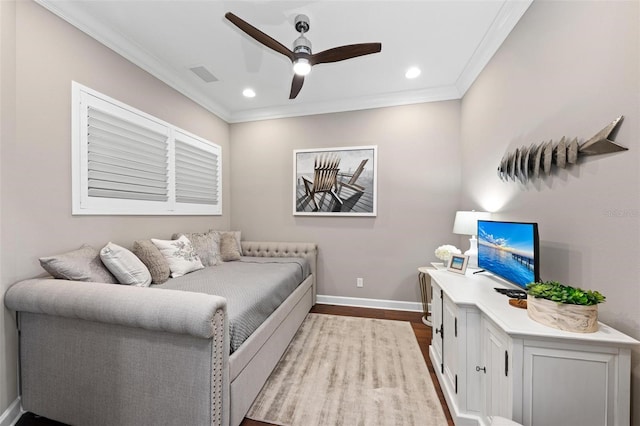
pixel 507 250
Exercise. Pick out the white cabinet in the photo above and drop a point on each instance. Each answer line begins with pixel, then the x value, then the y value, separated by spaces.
pixel 553 373
pixel 496 372
pixel 470 331
pixel 436 323
pixel 492 359
pixel 450 343
pixel 455 353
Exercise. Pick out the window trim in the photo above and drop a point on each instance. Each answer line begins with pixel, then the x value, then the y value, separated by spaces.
pixel 82 204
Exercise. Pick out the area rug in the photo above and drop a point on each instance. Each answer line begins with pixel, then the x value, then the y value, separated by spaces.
pixel 350 371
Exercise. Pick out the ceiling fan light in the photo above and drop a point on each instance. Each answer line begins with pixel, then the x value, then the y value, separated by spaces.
pixel 301 66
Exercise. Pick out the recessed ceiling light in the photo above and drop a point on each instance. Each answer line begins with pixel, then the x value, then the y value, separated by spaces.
pixel 412 72
pixel 249 93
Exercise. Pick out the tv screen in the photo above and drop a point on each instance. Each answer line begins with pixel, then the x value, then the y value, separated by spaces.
pixel 509 250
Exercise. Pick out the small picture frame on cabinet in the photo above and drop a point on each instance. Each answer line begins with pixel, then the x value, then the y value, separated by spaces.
pixel 458 263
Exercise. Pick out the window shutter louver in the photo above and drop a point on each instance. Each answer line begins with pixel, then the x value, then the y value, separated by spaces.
pixel 125 159
pixel 197 173
pixel 127 162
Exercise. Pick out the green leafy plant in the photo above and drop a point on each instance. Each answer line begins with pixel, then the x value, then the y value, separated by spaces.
pixel 557 292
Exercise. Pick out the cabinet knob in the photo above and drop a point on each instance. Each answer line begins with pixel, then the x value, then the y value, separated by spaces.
pixel 481 369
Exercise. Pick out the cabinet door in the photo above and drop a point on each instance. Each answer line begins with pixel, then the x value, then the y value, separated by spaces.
pixel 470 329
pixel 450 342
pixel 496 350
pixel 436 320
pixel 588 375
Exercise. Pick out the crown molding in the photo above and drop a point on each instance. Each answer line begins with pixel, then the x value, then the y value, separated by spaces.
pixel 444 93
pixel 507 18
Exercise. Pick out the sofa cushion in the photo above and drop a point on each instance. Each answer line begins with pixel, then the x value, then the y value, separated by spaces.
pixel 125 266
pixel 229 248
pixel 149 254
pixel 83 264
pixel 206 245
pixel 180 255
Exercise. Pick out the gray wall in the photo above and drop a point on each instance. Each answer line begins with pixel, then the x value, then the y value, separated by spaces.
pixel 8 347
pixel 567 69
pixel 418 191
pixel 36 158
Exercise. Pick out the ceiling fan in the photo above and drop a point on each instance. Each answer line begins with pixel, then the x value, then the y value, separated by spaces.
pixel 301 55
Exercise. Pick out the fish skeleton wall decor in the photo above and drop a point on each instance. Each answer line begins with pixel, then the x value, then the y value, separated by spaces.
pixel 531 162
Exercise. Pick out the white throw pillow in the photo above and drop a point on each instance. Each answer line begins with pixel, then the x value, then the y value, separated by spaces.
pixel 125 265
pixel 180 255
pixel 206 245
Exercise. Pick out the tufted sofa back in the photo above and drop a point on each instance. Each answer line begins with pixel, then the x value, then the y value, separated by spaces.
pixel 285 249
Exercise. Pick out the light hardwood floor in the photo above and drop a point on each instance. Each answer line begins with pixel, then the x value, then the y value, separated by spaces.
pixel 422 332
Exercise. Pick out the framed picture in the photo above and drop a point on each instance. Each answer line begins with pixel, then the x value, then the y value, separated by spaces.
pixel 335 181
pixel 458 263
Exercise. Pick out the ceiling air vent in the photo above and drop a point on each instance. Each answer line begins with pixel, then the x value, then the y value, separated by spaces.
pixel 204 74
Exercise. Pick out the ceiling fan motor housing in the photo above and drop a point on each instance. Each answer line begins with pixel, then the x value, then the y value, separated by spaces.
pixel 302 45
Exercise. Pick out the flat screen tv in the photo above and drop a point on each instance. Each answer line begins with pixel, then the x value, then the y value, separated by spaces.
pixel 509 250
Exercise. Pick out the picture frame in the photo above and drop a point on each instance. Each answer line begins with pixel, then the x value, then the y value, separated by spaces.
pixel 458 263
pixel 339 181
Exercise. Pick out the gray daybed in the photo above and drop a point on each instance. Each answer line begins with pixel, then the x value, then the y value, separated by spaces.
pixel 104 354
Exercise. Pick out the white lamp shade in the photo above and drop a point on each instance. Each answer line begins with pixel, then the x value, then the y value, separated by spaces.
pixel 466 222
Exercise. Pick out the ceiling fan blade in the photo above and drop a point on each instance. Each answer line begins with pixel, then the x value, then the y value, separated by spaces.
pixel 259 36
pixel 345 52
pixel 296 85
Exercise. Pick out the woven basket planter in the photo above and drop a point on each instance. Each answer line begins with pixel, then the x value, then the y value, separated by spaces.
pixel 576 318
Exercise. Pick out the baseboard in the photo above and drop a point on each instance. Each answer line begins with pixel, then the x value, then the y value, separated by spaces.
pixel 359 302
pixel 12 414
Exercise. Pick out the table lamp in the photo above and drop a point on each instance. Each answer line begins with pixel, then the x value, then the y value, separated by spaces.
pixel 466 223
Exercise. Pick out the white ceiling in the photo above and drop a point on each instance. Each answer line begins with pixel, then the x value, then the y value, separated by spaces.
pixel 451 41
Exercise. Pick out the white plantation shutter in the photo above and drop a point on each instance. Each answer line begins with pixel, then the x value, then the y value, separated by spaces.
pixel 128 162
pixel 197 171
pixel 125 159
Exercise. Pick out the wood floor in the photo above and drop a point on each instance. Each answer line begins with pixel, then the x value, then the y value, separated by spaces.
pixel 422 332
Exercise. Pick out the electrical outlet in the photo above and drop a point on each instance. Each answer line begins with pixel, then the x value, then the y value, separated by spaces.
pixel 359 282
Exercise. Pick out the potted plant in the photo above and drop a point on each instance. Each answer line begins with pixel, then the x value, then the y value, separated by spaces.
pixel 564 307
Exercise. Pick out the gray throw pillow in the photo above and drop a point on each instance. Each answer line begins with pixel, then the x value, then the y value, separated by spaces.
pixel 125 265
pixel 83 264
pixel 236 234
pixel 149 254
pixel 206 245
pixel 229 249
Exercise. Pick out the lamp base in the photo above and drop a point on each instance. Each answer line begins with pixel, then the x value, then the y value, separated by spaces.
pixel 472 252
